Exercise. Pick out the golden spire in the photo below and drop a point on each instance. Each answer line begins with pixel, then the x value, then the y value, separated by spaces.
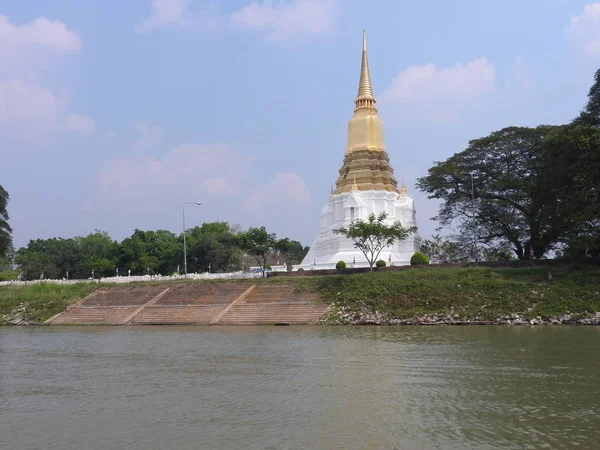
pixel 403 188
pixel 364 87
pixel 365 90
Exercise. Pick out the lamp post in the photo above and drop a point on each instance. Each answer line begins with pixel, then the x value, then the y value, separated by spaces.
pixel 184 241
pixel 473 213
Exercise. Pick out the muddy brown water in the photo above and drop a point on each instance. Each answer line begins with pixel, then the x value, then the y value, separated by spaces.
pixel 300 387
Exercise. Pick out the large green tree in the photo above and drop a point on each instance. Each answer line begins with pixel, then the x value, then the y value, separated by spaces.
pixel 574 153
pixel 149 251
pixel 371 236
pixel 590 116
pixel 5 229
pixel 213 245
pixel 515 186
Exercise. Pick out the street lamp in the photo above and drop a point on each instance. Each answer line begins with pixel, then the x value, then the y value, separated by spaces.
pixel 184 242
pixel 474 222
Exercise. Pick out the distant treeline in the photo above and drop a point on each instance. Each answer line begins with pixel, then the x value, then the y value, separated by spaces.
pixel 215 246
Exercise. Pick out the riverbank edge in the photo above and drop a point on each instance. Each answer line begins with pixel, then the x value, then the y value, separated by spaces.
pixel 432 296
pixel 339 315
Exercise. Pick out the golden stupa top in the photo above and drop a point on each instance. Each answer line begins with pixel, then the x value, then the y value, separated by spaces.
pixel 365 90
pixel 366 163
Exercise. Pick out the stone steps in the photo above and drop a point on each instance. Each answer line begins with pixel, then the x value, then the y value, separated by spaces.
pixel 194 303
pixel 255 314
pixel 128 296
pixel 112 315
pixel 177 315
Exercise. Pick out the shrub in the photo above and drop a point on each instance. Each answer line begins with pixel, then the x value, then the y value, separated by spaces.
pixel 341 265
pixel 268 267
pixel 300 269
pixel 8 275
pixel 419 258
pixel 380 263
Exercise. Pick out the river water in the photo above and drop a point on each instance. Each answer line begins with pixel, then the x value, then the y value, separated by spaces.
pixel 299 387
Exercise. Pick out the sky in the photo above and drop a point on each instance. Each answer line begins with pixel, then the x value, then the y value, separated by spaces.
pixel 114 114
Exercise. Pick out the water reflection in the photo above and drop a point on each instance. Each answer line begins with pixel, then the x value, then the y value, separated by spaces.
pixel 304 387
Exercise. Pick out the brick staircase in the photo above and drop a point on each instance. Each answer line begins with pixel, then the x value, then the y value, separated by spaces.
pixel 107 306
pixel 275 304
pixel 194 303
pixel 190 304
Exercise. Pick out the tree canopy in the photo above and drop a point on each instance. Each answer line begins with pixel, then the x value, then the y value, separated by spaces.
pixel 523 185
pixel 590 116
pixel 5 230
pixel 371 236
pixel 258 243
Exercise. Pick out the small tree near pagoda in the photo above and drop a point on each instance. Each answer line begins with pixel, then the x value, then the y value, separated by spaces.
pixel 371 236
pixel 259 244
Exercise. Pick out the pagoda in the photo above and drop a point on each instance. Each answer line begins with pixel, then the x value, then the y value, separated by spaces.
pixel 366 184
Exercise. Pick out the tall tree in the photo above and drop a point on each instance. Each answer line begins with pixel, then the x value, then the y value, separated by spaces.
pixel 590 116
pixel 371 236
pixel 515 190
pixel 213 245
pixel 258 243
pixel 5 230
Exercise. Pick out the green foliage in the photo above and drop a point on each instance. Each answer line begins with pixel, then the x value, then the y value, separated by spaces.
pixel 418 258
pixel 300 269
pixel 471 293
pixel 8 275
pixel 161 251
pixel 257 243
pixel 341 265
pixel 518 181
pixel 590 116
pixel 215 244
pixel 450 250
pixel 268 267
pixel 380 263
pixel 5 230
pixel 290 251
pixel 42 300
pixel 373 235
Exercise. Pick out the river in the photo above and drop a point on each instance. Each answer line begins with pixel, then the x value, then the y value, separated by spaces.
pixel 266 387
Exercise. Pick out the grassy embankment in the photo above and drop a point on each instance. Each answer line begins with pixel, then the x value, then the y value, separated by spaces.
pixel 465 294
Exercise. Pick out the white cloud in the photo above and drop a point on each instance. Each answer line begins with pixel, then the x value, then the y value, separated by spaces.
pixel 27 106
pixel 584 30
pixel 81 124
pixel 164 13
pixel 149 135
pixel 35 44
pixel 439 92
pixel 286 191
pixel 34 110
pixel 213 169
pixel 284 20
pixel 176 13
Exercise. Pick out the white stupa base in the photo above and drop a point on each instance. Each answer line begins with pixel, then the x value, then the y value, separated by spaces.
pixel 329 248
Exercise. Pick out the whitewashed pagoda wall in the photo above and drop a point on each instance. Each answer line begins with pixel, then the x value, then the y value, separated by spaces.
pixel 329 248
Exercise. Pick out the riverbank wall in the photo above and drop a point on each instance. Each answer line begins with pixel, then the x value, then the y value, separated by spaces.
pixel 425 296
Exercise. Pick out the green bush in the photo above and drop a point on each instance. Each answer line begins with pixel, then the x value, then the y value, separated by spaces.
pixel 300 269
pixel 268 267
pixel 380 263
pixel 419 258
pixel 8 275
pixel 341 265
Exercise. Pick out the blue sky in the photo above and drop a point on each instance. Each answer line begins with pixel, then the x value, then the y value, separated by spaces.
pixel 113 113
